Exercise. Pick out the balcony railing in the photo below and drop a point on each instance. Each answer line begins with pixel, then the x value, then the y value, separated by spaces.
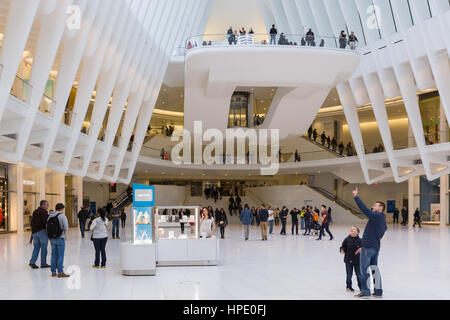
pixel 21 89
pixel 263 40
pixel 68 117
pixel 47 105
pixel 102 135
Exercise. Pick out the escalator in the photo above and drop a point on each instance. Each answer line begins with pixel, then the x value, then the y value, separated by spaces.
pixel 124 200
pixel 344 204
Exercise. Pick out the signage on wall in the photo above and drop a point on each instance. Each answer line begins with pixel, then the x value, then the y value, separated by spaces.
pixel 390 206
pixel 143 195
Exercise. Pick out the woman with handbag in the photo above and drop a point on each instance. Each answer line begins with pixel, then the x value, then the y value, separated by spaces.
pixel 222 220
pixel 99 237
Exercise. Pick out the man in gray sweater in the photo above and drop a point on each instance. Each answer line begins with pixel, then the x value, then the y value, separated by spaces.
pixel 59 243
pixel 115 216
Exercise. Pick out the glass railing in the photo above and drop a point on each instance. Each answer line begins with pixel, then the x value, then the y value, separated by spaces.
pixel 261 40
pixel 86 128
pixel 68 117
pixel 47 105
pixel 131 146
pixel 21 89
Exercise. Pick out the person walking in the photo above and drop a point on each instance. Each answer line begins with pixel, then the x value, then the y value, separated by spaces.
pixel 231 205
pixel 57 225
pixel 273 35
pixel 263 221
pixel 221 218
pixel 417 218
pixel 294 219
pixel 349 249
pixel 99 238
pixel 325 224
pixel 375 229
pixel 283 218
pixel 83 215
pixel 396 214
pixel 39 235
pixel 246 219
pixel 123 218
pixel 271 220
pixel 277 216
pixel 115 216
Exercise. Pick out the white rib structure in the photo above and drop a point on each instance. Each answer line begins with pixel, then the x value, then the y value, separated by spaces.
pixel 116 56
pixel 404 47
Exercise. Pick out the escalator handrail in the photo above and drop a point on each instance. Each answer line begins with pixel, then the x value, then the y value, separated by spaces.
pixel 341 202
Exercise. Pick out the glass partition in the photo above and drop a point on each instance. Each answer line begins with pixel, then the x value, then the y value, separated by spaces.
pixel 177 223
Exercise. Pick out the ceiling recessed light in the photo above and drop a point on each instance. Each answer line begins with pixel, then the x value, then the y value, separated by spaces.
pixel 163 173
pixel 146 171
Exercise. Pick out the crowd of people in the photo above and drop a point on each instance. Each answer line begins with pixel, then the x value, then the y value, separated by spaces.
pixel 309 39
pixel 359 254
pixel 331 143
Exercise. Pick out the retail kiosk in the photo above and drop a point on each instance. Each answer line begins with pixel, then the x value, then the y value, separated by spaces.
pixel 179 242
pixel 138 257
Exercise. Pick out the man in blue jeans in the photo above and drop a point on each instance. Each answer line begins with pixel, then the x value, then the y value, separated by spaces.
pixel 59 243
pixel 273 35
pixel 39 235
pixel 374 232
pixel 115 215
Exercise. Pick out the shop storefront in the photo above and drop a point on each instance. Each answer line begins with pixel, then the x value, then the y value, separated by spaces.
pixel 4 199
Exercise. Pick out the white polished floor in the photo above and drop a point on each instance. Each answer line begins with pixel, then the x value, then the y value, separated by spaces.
pixel 415 264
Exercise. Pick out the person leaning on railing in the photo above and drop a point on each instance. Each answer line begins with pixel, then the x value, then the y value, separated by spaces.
pixel 352 40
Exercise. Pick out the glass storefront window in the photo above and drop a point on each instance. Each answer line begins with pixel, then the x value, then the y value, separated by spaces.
pixel 4 199
pixel 430 200
pixel 430 112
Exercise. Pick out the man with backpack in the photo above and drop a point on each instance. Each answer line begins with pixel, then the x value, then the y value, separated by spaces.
pixel 39 235
pixel 83 216
pixel 57 225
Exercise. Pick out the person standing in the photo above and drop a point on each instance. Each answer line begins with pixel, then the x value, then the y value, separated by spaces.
pixel 342 40
pixel 231 205
pixel 310 39
pixel 246 219
pixel 263 221
pixel 325 224
pixel 271 219
pixel 396 214
pixel 294 220
pixel 123 218
pixel 115 216
pixel 207 225
pixel 39 235
pixel 83 215
pixel 308 221
pixel 302 218
pixel 352 40
pixel 349 249
pixel 375 229
pixel 99 238
pixel 404 216
pixel 417 218
pixel 221 218
pixel 273 35
pixel 283 218
pixel 229 34
pixel 57 225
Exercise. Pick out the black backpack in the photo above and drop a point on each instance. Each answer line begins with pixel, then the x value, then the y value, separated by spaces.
pixel 54 230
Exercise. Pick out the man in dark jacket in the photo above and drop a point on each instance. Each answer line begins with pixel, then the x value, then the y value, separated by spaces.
pixel 40 238
pixel 349 248
pixel 263 221
pixel 404 216
pixel 283 217
pixel 246 220
pixel 308 221
pixel 273 35
pixel 83 215
pixel 373 233
pixel 294 215
pixel 417 218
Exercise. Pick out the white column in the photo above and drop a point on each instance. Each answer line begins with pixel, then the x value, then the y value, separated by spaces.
pixel 41 184
pixel 413 198
pixel 78 184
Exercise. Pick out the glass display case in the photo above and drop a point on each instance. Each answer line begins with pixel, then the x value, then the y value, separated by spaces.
pixel 177 223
